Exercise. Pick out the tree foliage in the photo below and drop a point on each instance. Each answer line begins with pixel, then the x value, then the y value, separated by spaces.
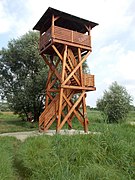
pixel 115 103
pixel 23 75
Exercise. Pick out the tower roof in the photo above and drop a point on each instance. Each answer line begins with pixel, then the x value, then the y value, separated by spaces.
pixel 66 20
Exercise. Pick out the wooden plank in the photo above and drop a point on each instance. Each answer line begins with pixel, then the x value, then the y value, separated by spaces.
pixel 78 87
pixel 81 39
pixel 88 80
pixel 71 55
pixel 62 33
pixel 46 110
pixel 49 124
pixel 45 39
pixel 71 36
pixel 71 44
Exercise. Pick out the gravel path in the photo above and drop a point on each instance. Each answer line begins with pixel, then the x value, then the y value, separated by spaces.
pixel 23 135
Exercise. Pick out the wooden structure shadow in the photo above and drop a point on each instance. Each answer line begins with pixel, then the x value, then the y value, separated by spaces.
pixel 65 43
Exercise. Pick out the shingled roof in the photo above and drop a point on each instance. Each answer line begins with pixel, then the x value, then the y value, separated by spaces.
pixel 66 20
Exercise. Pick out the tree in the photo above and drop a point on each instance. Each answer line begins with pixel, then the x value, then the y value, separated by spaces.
pixel 115 103
pixel 23 75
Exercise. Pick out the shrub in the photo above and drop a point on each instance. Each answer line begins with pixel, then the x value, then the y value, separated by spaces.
pixel 115 103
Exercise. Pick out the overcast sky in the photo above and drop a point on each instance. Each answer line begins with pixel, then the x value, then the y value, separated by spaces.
pixel 113 41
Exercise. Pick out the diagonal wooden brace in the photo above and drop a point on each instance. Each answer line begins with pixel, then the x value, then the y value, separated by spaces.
pixel 70 112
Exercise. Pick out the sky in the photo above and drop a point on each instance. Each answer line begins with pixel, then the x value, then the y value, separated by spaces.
pixel 113 41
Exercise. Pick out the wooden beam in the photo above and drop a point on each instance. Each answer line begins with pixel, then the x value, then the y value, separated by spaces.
pixel 72 66
pixel 76 68
pixel 78 87
pixel 75 112
pixel 74 76
pixel 53 82
pixel 52 72
pixel 56 18
pixel 52 25
pixel 85 114
pixel 47 87
pixel 61 90
pixel 60 110
pixel 83 99
pixel 53 90
pixel 64 63
pixel 49 95
pixel 51 67
pixel 49 124
pixel 69 69
pixel 70 112
pixel 80 69
pixel 57 52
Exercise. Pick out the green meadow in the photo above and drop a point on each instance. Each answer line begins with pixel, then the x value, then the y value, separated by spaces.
pixel 109 155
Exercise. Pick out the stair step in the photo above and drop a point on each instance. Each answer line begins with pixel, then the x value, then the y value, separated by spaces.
pixel 51 110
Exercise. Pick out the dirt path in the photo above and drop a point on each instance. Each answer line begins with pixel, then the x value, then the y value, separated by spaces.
pixel 23 135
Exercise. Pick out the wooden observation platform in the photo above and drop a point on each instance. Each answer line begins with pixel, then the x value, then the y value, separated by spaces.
pixel 64 44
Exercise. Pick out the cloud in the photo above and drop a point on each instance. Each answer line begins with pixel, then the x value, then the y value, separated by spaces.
pixel 113 56
pixel 126 66
pixel 5 19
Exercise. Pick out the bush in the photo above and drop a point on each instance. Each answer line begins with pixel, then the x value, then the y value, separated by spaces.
pixel 115 103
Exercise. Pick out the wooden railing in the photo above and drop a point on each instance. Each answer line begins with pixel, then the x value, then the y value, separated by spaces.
pixel 64 35
pixel 88 80
pixel 45 39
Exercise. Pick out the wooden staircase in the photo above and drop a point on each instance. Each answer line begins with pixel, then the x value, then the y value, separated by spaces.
pixel 71 62
pixel 50 113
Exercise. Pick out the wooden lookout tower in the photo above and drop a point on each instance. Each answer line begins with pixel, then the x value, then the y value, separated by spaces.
pixel 64 44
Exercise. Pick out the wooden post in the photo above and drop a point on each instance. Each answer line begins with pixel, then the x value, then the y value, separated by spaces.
pixel 83 99
pixel 61 90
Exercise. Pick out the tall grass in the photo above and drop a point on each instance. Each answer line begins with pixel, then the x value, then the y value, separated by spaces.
pixel 7 151
pixel 110 155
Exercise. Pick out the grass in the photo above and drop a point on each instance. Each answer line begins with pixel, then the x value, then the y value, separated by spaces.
pixel 10 122
pixel 108 156
pixel 7 152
